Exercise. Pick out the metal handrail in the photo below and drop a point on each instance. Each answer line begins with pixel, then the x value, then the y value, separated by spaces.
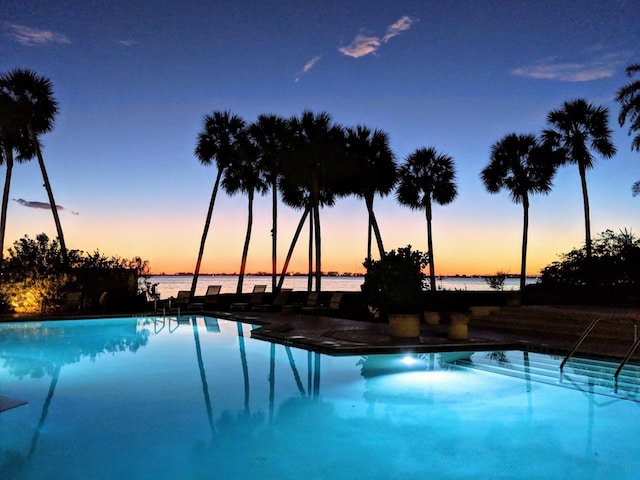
pixel 578 343
pixel 633 348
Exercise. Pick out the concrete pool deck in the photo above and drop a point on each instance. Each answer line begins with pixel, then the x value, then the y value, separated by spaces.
pixel 543 329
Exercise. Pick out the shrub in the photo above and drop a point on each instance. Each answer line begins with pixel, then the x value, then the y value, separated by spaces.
pixel 33 274
pixel 395 283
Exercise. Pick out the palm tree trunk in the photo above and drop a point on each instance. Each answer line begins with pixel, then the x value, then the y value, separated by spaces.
pixel 5 201
pixel 52 202
pixel 585 200
pixel 203 240
pixel 318 249
pixel 374 224
pixel 292 247
pixel 245 249
pixel 369 237
pixel 310 254
pixel 525 229
pixel 432 267
pixel 274 235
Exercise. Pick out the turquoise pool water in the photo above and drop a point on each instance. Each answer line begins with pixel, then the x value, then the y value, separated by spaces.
pixel 153 398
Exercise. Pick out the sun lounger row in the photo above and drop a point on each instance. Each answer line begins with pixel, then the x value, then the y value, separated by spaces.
pixel 254 301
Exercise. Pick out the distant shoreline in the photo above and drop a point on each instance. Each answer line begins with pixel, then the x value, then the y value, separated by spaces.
pixel 329 274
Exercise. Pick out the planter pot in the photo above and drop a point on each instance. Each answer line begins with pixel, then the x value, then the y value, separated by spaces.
pixel 459 326
pixel 404 325
pixel 431 318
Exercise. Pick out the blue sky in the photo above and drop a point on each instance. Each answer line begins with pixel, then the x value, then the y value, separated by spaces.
pixel 134 79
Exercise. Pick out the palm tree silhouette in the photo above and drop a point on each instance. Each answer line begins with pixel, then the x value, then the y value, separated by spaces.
pixel 426 177
pixel 219 142
pixel 376 169
pixel 33 109
pixel 14 146
pixel 521 165
pixel 243 174
pixel 629 98
pixel 269 134
pixel 577 128
pixel 315 171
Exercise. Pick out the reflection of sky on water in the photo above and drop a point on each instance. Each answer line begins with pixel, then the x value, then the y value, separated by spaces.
pixel 170 401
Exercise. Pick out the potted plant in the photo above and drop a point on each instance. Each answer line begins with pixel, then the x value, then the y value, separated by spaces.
pixel 393 288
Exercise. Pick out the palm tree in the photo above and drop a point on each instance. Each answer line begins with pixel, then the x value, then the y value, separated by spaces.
pixel 629 98
pixel 577 128
pixel 33 111
pixel 376 170
pixel 426 177
pixel 315 171
pixel 219 142
pixel 243 174
pixel 269 134
pixel 14 145
pixel 521 165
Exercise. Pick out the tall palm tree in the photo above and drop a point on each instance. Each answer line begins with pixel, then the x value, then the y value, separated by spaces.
pixel 426 177
pixel 34 109
pixel 14 146
pixel 376 170
pixel 629 98
pixel 243 174
pixel 523 166
pixel 269 134
pixel 577 129
pixel 315 171
pixel 218 142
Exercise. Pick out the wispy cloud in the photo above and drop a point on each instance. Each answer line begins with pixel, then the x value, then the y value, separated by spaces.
pixel 554 68
pixel 32 37
pixel 127 43
pixel 308 66
pixel 39 205
pixel 403 24
pixel 365 45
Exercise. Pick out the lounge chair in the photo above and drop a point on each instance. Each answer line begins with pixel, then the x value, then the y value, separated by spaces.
pixel 312 302
pixel 332 308
pixel 174 305
pixel 255 298
pixel 210 298
pixel 279 301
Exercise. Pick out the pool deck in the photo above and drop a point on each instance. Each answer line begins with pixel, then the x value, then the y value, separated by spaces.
pixel 555 330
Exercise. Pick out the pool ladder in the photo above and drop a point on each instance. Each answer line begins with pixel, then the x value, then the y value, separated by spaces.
pixel 632 349
pixel 584 335
pixel 625 360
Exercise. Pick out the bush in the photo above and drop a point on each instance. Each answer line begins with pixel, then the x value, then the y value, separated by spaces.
pixel 395 283
pixel 34 274
pixel 612 274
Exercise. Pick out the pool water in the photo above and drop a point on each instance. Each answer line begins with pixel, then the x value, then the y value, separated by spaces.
pixel 197 398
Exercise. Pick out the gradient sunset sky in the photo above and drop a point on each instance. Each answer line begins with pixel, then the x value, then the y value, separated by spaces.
pixel 134 78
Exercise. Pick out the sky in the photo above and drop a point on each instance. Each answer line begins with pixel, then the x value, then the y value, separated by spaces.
pixel 133 80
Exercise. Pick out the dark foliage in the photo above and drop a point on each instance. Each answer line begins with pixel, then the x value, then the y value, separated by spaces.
pixel 613 269
pixel 395 283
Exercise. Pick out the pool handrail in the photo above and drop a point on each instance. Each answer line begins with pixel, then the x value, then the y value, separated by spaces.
pixel 584 335
pixel 632 349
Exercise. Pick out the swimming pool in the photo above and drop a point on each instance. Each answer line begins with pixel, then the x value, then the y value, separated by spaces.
pixel 197 398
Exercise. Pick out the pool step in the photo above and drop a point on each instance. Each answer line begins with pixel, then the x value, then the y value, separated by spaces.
pixel 582 374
